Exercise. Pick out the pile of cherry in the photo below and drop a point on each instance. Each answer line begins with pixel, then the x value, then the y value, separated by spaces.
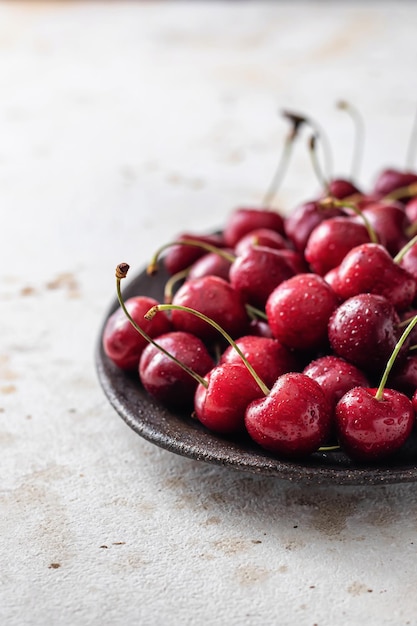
pixel 296 330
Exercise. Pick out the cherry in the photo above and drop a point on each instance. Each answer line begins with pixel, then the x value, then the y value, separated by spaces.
pixel 341 188
pixel 369 268
pixel 390 223
pixel 410 210
pixel 331 240
pixel 218 300
pixel 261 237
pixel 121 341
pixel 364 331
pixel 269 358
pixel 335 376
pixel 370 428
pixel 211 264
pixel 180 256
pixel 244 220
pixel 293 420
pixel 255 273
pixel 373 424
pixel 298 311
pixel 164 378
pixel 301 222
pixel 391 180
pixel 404 376
pixel 221 405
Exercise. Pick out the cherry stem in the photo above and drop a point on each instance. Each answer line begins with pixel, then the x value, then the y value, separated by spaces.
pixel 412 144
pixel 359 135
pixel 254 312
pixel 328 448
pixel 121 272
pixel 176 307
pixel 171 282
pixel 402 192
pixel 331 202
pixel 400 255
pixel 153 265
pixel 380 391
pixel 297 121
pixel 312 144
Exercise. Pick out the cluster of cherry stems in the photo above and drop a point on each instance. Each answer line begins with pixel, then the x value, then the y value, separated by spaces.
pixel 297 331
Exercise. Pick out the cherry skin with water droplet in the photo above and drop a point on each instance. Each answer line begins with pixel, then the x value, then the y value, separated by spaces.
pixel 121 341
pixel 335 376
pixel 164 379
pixel 370 429
pixel 298 311
pixel 217 299
pixel 221 406
pixel 294 420
pixel 269 358
pixel 364 331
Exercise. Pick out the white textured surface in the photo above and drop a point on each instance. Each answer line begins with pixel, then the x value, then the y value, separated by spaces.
pixel 120 124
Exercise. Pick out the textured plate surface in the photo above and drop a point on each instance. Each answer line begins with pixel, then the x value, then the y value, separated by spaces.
pixel 182 435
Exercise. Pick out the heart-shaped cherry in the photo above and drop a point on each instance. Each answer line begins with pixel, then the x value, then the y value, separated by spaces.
pixel 121 341
pixel 373 424
pixel 293 420
pixel 298 311
pixel 162 376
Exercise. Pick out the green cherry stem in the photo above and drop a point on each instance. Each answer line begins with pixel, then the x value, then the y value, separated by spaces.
pixel 402 192
pixel 171 282
pixel 380 391
pixel 296 121
pixel 153 264
pixel 121 272
pixel 330 202
pixel 312 145
pixel 176 307
pixel 400 255
pixel 359 135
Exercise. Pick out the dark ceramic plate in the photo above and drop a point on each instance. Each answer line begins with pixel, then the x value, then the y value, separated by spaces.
pixel 181 434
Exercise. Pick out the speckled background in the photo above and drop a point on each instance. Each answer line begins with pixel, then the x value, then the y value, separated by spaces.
pixel 120 124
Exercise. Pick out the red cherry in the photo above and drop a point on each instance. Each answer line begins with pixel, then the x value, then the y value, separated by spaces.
pixel 221 405
pixel 298 311
pixel 261 237
pixel 301 222
pixel 371 429
pixel 257 272
pixel 163 378
pixel 215 298
pixel 121 341
pixel 211 264
pixel 331 240
pixel 294 420
pixel 180 257
pixel 364 331
pixel 403 377
pixel 369 268
pixel 341 188
pixel 389 222
pixel 392 179
pixel 335 376
pixel 269 358
pixel 244 220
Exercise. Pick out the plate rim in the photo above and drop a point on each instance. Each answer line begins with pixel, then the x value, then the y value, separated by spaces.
pixel 257 462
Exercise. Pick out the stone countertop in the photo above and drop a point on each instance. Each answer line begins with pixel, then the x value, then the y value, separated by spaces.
pixel 122 124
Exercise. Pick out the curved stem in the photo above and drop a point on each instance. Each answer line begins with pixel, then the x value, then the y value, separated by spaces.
pixel 402 192
pixel 171 282
pixel 316 165
pixel 121 272
pixel 331 202
pixel 176 307
pixel 359 135
pixel 400 255
pixel 411 148
pixel 255 312
pixel 282 167
pixel 153 264
pixel 380 391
